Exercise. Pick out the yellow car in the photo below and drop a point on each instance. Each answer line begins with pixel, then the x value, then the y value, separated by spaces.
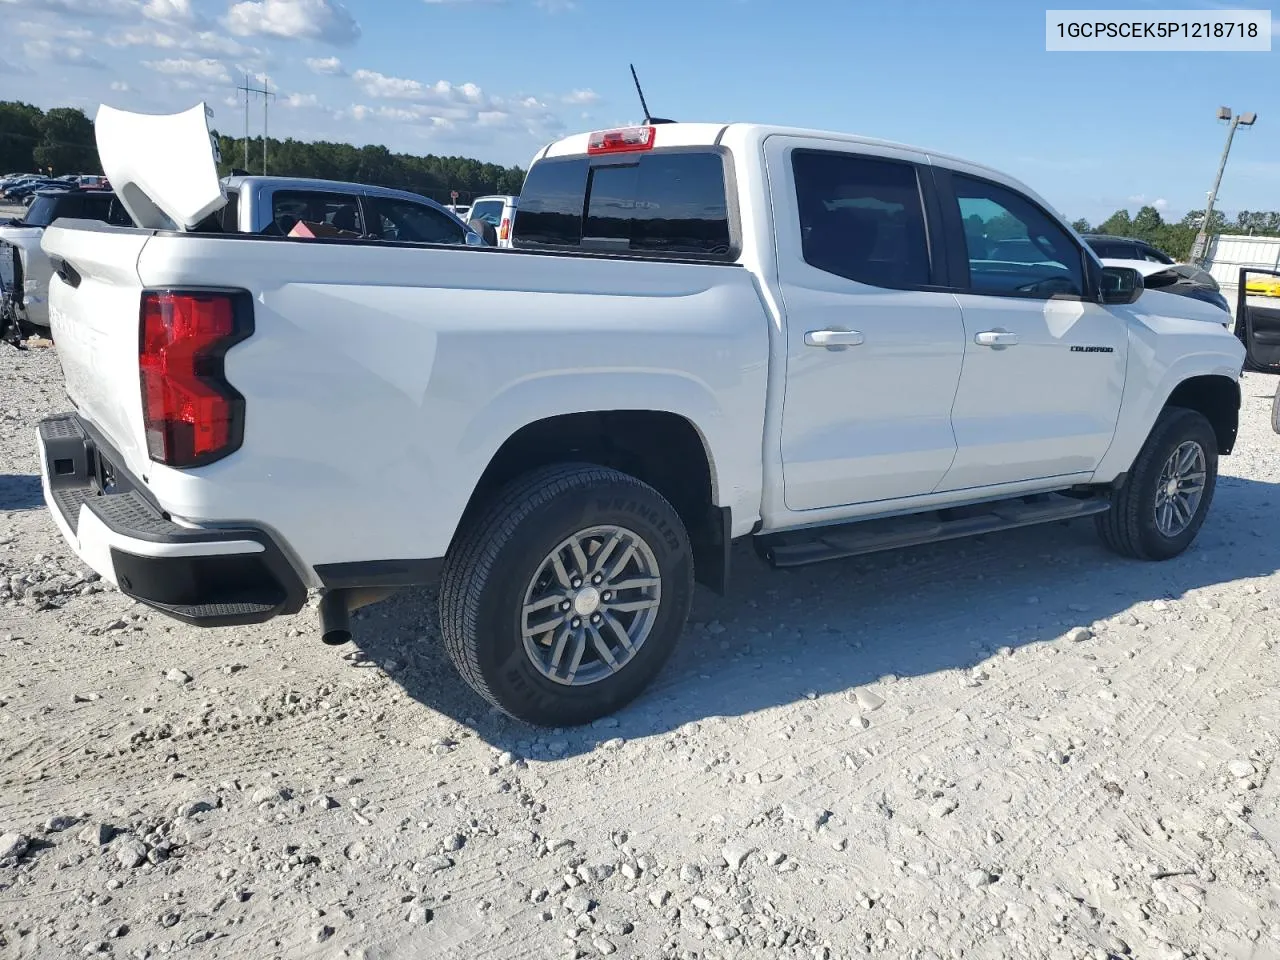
pixel 1265 286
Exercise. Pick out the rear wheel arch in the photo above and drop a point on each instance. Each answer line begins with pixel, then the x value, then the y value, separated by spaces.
pixel 665 450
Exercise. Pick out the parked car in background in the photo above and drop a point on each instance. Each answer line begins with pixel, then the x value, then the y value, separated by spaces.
pixel 1159 269
pixel 19 191
pixel 29 298
pixel 1124 248
pixel 1263 286
pixel 273 205
pixel 704 332
pixel 499 212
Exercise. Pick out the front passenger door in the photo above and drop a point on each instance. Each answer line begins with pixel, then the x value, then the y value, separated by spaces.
pixel 391 218
pixel 1044 363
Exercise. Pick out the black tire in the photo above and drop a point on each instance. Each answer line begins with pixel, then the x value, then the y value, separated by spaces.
pixel 499 551
pixel 1275 410
pixel 1129 527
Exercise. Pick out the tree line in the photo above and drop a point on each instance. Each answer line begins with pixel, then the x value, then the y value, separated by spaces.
pixel 60 140
pixel 1176 239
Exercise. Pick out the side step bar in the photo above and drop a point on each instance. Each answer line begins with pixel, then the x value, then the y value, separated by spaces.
pixel 796 548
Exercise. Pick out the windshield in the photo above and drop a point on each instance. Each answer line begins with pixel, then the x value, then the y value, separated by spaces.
pixel 41 212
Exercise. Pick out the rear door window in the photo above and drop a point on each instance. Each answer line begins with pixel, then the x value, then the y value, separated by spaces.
pixel 338 210
pixel 661 203
pixel 862 218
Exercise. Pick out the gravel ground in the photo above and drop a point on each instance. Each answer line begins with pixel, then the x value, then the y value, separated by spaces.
pixel 1014 747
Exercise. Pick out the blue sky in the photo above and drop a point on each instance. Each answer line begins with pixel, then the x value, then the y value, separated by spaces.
pixel 498 78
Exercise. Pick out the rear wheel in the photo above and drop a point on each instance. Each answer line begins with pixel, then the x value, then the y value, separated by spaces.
pixel 1159 509
pixel 561 601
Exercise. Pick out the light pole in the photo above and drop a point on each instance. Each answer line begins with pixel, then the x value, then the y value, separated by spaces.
pixel 1201 246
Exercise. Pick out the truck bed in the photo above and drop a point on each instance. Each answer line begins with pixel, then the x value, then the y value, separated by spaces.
pixel 385 374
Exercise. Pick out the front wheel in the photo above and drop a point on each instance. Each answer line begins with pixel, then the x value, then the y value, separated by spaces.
pixel 1162 503
pixel 562 600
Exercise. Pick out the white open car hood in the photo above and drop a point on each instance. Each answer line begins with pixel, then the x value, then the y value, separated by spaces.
pixel 163 167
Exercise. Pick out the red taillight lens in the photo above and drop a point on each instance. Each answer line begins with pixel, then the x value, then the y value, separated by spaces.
pixel 504 231
pixel 625 140
pixel 192 415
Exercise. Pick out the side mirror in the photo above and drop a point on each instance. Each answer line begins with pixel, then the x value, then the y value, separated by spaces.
pixel 1121 285
pixel 1258 317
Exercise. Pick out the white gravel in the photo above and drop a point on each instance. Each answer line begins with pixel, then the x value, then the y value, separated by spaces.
pixel 1016 747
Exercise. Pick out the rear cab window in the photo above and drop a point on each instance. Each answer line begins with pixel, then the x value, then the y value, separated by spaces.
pixel 666 203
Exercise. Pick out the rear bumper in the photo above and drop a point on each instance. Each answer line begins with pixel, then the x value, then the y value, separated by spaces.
pixel 223 576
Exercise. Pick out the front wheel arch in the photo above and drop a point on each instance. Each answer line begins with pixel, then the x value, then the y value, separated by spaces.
pixel 1215 397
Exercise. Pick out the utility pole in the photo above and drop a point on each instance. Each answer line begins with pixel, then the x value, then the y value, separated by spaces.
pixel 1201 245
pixel 266 95
pixel 266 98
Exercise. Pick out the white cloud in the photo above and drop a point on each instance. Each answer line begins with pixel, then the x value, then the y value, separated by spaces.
pixel 556 6
pixel 296 101
pixel 207 42
pixel 119 86
pixel 1140 200
pixel 211 71
pixel 582 96
pixel 44 31
pixel 382 87
pixel 121 9
pixel 325 20
pixel 170 11
pixel 327 66
pixel 60 53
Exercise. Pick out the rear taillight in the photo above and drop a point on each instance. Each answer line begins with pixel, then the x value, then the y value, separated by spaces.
pixel 624 140
pixel 504 231
pixel 191 414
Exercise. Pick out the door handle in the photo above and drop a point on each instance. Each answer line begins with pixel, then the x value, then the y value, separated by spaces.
pixel 995 338
pixel 832 339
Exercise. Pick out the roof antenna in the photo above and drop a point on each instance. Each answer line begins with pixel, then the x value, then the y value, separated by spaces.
pixel 645 106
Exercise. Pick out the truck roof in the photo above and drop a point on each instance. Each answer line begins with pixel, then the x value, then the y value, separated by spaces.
pixel 754 134
pixel 711 134
pixel 311 183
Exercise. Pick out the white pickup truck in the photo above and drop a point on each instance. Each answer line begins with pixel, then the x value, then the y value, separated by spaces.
pixel 704 333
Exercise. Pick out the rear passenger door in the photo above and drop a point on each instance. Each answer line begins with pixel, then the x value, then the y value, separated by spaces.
pixel 874 338
pixel 1044 362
